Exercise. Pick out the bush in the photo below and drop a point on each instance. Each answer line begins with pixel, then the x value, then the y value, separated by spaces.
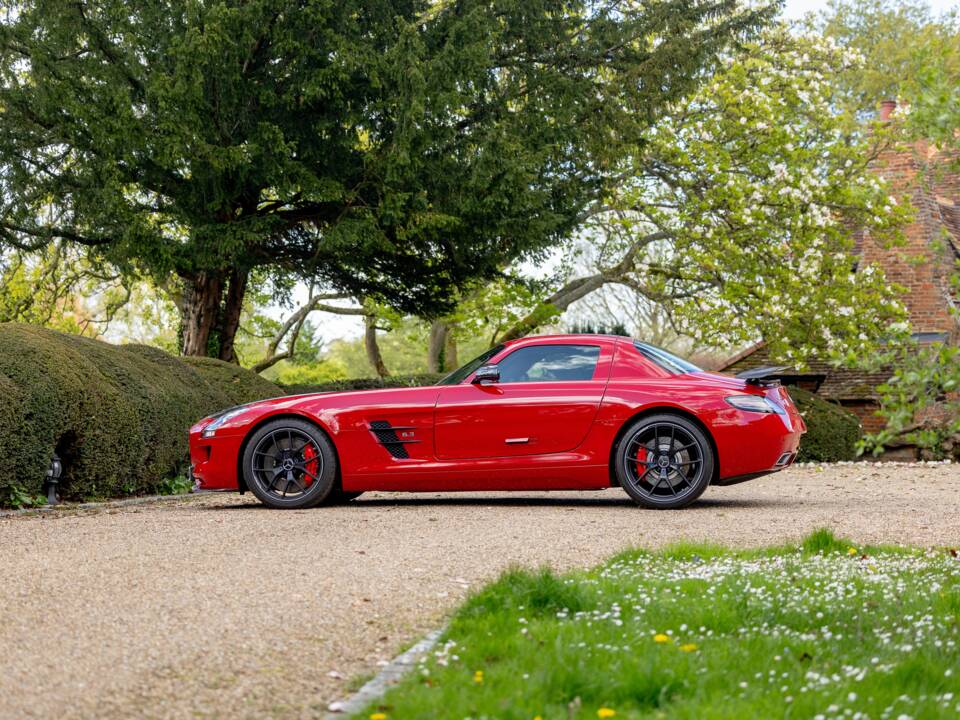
pixel 116 415
pixel 365 384
pixel 832 432
pixel 240 384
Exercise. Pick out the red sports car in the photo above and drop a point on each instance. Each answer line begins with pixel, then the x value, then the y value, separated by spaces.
pixel 562 412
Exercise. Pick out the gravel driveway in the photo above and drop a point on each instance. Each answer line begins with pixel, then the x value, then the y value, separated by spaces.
pixel 213 606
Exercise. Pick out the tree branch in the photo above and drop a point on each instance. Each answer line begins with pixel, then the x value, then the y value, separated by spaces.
pixel 294 324
pixel 581 287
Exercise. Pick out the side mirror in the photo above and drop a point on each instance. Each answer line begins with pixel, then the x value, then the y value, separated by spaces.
pixel 486 374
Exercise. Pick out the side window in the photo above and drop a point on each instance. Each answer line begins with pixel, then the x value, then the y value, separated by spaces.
pixel 549 363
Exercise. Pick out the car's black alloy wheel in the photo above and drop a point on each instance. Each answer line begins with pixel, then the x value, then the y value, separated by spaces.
pixel 664 461
pixel 290 463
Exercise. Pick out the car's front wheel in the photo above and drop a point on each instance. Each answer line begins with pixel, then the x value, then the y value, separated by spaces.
pixel 664 461
pixel 290 463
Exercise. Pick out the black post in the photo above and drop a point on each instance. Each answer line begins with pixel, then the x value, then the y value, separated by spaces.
pixel 53 478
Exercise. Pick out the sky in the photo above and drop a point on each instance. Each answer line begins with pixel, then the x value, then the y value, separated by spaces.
pixel 796 9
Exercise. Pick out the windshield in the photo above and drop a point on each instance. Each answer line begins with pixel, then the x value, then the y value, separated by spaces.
pixel 668 361
pixel 462 373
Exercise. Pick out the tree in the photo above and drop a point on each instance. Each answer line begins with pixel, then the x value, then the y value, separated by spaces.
pixel 395 149
pixel 741 211
pixel 907 50
pixel 920 403
pixel 58 287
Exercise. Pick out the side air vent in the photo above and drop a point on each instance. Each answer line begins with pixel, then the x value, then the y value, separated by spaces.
pixel 386 435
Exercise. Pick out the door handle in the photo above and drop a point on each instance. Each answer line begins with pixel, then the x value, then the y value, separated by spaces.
pixel 517 441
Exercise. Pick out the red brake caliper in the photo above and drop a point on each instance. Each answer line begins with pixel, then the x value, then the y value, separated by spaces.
pixel 642 454
pixel 310 463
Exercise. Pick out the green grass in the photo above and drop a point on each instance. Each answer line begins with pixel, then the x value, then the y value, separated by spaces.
pixel 816 630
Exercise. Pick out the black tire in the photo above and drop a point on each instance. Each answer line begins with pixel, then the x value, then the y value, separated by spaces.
pixel 664 461
pixel 290 464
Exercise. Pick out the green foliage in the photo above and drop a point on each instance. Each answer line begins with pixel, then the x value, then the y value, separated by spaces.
pixel 177 485
pixel 236 383
pixel 397 149
pixel 19 498
pixel 908 52
pixel 487 311
pixel 741 209
pixel 315 373
pixel 832 432
pixel 540 594
pixel 921 402
pixel 823 541
pixel 394 381
pixel 702 632
pixel 116 415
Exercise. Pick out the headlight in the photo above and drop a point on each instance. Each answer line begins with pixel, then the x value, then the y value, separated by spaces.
pixel 754 403
pixel 211 429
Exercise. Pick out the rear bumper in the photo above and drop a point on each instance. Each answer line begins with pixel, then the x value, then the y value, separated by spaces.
pixel 754 444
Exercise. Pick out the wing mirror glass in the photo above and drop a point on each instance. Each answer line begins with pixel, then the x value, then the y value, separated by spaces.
pixel 486 374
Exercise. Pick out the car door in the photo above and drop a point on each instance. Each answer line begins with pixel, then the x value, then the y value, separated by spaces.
pixel 545 401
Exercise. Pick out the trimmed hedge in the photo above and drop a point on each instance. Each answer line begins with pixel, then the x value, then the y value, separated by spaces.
pixel 239 384
pixel 116 415
pixel 366 384
pixel 832 432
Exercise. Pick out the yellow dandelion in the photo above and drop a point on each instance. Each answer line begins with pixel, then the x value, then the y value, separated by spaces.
pixel 378 716
pixel 852 551
pixel 478 676
pixel 688 647
pixel 537 717
pixel 605 712
pixel 661 638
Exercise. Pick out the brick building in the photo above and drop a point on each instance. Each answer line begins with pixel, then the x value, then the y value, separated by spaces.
pixel 923 265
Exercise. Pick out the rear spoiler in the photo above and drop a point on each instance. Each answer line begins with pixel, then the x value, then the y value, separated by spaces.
pixel 767 375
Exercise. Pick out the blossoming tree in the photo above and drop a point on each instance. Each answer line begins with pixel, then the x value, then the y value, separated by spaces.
pixel 740 211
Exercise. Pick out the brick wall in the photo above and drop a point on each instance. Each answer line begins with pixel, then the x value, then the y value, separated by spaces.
pixel 866 410
pixel 924 264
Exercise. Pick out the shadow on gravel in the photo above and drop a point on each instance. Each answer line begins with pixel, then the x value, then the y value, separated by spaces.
pixel 417 500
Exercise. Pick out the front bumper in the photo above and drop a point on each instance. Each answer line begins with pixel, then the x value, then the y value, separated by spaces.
pixel 214 461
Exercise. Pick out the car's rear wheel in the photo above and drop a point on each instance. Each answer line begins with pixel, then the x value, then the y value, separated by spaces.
pixel 664 461
pixel 290 463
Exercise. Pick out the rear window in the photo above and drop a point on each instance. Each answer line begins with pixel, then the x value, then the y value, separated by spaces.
pixel 668 361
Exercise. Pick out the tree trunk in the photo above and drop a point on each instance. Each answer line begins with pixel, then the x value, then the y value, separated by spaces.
pixel 199 310
pixel 436 348
pixel 442 349
pixel 452 362
pixel 230 314
pixel 210 313
pixel 372 347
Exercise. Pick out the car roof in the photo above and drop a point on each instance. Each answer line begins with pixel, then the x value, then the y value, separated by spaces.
pixel 568 337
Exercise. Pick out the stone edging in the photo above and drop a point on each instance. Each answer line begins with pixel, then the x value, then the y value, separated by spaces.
pixel 390 675
pixel 44 509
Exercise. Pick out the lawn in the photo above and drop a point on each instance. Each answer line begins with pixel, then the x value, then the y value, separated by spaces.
pixel 821 630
